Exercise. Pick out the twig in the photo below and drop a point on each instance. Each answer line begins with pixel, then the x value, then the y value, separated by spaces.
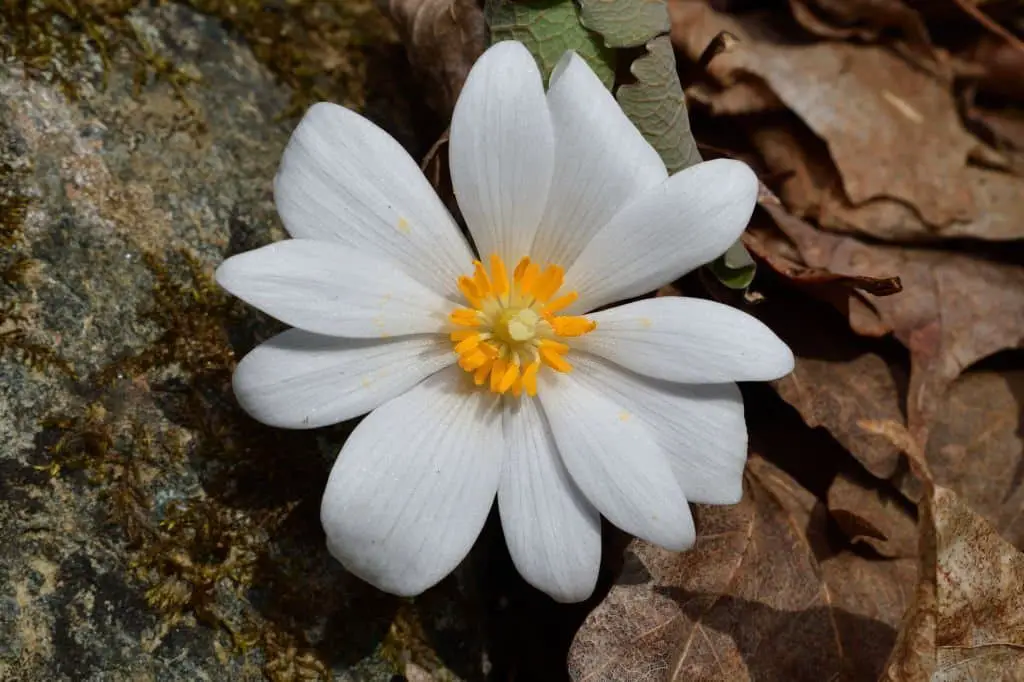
pixel 991 25
pixel 723 42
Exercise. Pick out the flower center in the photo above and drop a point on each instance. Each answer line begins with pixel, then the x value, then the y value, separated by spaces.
pixel 511 327
pixel 516 325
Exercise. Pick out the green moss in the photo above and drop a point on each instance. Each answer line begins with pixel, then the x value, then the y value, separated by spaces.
pixel 16 339
pixel 319 48
pixel 192 314
pixel 54 38
pixel 201 554
pixel 198 554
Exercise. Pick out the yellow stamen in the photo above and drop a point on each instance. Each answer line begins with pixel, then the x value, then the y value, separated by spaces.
pixel 553 359
pixel 517 386
pixel 530 274
pixel 468 289
pixel 465 317
pixel 549 282
pixel 530 379
pixel 462 334
pixel 560 303
pixel 556 346
pixel 472 360
pixel 489 350
pixel 572 326
pixel 480 279
pixel 499 278
pixel 497 373
pixel 517 274
pixel 480 374
pixel 509 378
pixel 467 344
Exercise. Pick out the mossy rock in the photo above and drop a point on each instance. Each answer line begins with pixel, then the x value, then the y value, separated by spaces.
pixel 148 529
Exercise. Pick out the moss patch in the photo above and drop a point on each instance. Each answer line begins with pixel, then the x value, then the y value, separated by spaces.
pixel 15 269
pixel 318 48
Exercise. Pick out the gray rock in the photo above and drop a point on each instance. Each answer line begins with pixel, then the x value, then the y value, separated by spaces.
pixel 148 529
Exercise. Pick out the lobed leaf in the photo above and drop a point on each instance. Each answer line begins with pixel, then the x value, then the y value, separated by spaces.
pixel 625 23
pixel 548 28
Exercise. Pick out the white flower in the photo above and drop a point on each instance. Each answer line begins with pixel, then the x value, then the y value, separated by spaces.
pixel 467 370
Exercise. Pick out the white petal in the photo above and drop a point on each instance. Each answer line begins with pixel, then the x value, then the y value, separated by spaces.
pixel 344 179
pixel 689 340
pixel 328 288
pixel 601 162
pixel 614 459
pixel 686 221
pixel 552 531
pixel 299 380
pixel 700 428
pixel 414 483
pixel 502 151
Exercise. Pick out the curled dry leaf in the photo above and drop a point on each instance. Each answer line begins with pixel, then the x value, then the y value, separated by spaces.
pixel 759 573
pixel 443 38
pixel 900 136
pixel 764 240
pixel 873 515
pixel 955 308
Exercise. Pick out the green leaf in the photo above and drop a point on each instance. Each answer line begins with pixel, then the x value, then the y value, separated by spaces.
pixel 656 106
pixel 734 268
pixel 548 28
pixel 626 23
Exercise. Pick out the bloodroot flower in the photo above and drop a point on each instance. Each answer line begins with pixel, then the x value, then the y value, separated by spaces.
pixel 489 376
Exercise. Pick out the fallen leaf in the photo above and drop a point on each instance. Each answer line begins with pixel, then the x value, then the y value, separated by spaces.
pixel 862 19
pixel 774 249
pixel 1001 64
pixel 870 513
pixel 903 140
pixel 443 39
pixel 976 447
pixel 836 383
pixel 752 600
pixel 968 620
pixel 810 187
pixel 955 308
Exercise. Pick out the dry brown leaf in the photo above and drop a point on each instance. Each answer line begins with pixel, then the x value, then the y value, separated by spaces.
pixel 769 246
pixel 863 19
pixel 968 622
pixel 976 447
pixel 955 308
pixel 869 513
pixel 1001 64
pixel 810 187
pixel 443 39
pixel 836 383
pixel 891 129
pixel 752 601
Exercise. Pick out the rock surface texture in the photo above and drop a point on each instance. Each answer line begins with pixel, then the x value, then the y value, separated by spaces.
pixel 148 529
